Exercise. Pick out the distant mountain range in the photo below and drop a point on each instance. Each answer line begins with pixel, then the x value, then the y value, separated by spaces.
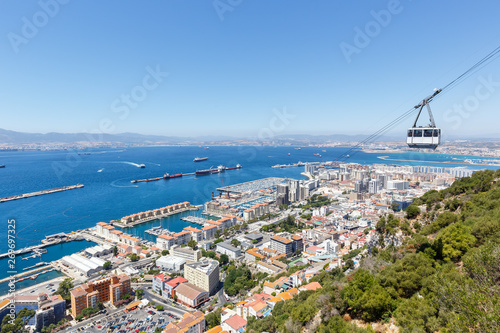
pixel 8 137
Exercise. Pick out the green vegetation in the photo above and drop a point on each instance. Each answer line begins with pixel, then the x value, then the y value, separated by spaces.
pixel 316 201
pixel 287 225
pixel 107 265
pixel 193 244
pixel 239 280
pixel 159 307
pixel 115 251
pixel 64 288
pixel 213 318
pixel 139 293
pixel 22 318
pixel 164 252
pixel 235 242
pixel 444 278
pixel 133 257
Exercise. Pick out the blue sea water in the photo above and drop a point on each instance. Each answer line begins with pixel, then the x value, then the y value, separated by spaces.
pixel 108 193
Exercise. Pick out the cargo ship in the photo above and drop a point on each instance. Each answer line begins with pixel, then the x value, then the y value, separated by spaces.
pixel 168 176
pixel 200 159
pixel 210 171
pixel 235 167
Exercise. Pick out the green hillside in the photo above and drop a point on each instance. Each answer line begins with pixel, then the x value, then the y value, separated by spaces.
pixel 445 277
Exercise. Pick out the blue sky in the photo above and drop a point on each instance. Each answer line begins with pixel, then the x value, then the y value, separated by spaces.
pixel 68 66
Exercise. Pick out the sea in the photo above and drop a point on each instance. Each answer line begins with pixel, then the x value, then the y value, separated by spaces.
pixel 108 193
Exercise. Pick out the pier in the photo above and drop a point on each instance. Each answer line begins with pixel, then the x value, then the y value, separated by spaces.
pixel 42 192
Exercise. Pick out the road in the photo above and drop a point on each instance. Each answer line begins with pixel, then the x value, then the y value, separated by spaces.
pixel 167 304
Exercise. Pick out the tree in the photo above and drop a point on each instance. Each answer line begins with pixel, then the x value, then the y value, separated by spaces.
pixel 64 287
pixel 395 206
pixel 107 265
pixel 79 317
pixel 139 293
pixel 164 252
pixel 223 259
pixel 115 251
pixel 235 242
pixel 213 318
pixel 456 240
pixel 412 211
pixel 192 244
pixel 133 257
pixel 159 307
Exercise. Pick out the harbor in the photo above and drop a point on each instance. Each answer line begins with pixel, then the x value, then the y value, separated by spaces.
pixel 42 192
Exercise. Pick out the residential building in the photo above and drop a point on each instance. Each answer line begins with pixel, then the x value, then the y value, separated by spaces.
pixel 203 274
pixel 234 324
pixel 282 245
pixel 190 323
pixel 186 253
pixel 107 289
pixel 226 248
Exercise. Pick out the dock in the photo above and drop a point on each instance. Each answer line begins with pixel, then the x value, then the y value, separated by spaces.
pixel 42 192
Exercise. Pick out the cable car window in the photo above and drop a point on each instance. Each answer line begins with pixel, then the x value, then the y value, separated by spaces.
pixel 428 133
pixel 417 133
pixel 436 132
pixel 410 133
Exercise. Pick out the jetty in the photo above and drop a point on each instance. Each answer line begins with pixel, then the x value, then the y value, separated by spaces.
pixel 42 192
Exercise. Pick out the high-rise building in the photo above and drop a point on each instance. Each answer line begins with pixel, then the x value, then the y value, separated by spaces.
pixel 108 289
pixel 293 190
pixel 373 186
pixel 203 274
pixel 282 194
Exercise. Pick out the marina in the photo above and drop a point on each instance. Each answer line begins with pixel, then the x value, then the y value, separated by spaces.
pixel 195 219
pixel 42 192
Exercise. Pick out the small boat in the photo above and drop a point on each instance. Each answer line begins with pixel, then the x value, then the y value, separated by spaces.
pixel 200 159
pixel 142 166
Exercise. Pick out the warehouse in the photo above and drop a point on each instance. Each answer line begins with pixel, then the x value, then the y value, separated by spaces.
pixel 84 265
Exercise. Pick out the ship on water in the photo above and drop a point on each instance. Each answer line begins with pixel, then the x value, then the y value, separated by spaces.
pixel 233 168
pixel 210 171
pixel 142 166
pixel 200 159
pixel 168 176
pixel 2 166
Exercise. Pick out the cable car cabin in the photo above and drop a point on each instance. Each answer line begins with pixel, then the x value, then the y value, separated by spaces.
pixel 423 137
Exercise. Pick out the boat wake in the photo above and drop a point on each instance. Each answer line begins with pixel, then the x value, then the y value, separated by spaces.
pixel 114 185
pixel 100 170
pixel 131 163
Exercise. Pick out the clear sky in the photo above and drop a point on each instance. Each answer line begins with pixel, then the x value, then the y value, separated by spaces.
pixel 227 67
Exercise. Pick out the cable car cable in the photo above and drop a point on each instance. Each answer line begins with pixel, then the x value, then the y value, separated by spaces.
pixel 474 68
